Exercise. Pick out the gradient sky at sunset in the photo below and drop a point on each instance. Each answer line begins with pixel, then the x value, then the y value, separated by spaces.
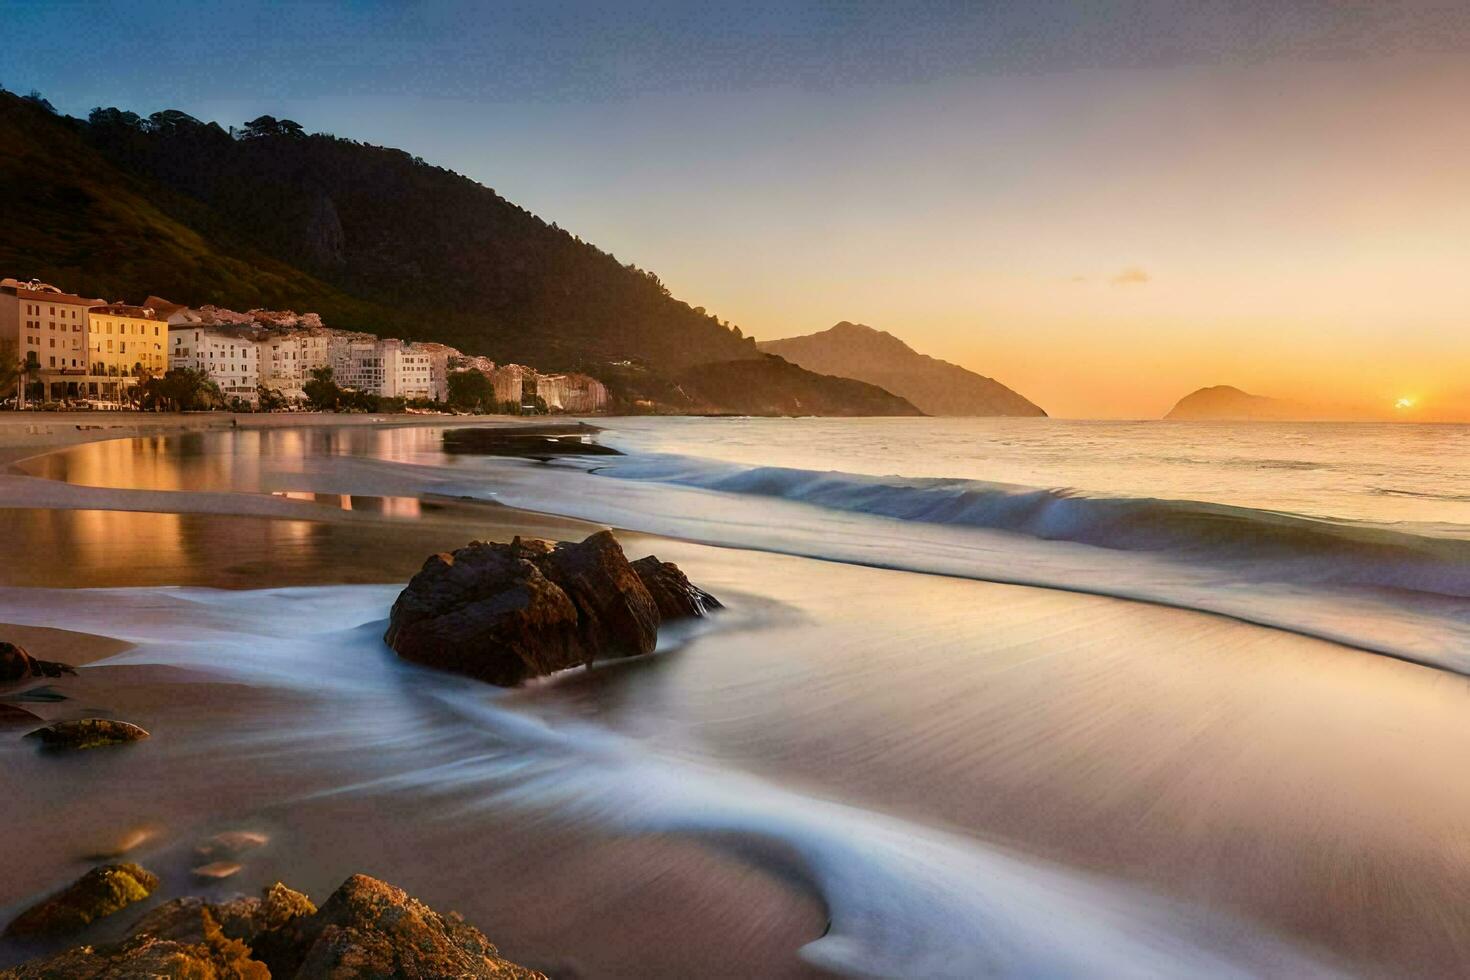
pixel 1104 205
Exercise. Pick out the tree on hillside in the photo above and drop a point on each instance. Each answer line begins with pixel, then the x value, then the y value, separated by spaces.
pixel 181 390
pixel 271 126
pixel 471 390
pixel 270 399
pixel 322 392
pixel 114 117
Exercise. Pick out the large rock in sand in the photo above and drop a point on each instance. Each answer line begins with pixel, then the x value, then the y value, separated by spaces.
pixel 507 612
pixel 100 892
pixel 18 665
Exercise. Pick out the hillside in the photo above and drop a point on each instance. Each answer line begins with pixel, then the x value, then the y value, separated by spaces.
pixel 1224 402
pixel 935 387
pixel 772 386
pixel 370 237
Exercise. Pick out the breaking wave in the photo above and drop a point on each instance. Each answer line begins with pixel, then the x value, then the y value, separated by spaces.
pixel 1287 545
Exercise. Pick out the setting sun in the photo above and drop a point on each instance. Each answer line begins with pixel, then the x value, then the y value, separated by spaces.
pixel 1404 403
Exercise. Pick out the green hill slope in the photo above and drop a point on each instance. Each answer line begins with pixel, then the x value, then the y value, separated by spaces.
pixel 370 237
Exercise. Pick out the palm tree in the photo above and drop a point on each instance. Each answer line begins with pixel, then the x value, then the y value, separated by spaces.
pixel 12 369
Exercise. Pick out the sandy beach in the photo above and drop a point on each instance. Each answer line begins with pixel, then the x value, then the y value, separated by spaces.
pixel 921 766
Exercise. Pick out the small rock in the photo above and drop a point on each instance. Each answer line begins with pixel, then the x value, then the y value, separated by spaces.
pixel 46 694
pixel 87 733
pixel 123 843
pixel 232 842
pixel 217 869
pixel 100 892
pixel 16 664
pixel 11 715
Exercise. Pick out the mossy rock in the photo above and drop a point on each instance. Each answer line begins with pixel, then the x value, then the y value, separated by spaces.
pixel 98 893
pixel 87 733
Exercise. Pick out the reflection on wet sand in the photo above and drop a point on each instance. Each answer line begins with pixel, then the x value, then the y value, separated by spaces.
pixel 387 506
pixel 250 460
pixel 111 548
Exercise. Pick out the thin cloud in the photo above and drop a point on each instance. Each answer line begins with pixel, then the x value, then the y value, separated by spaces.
pixel 1132 276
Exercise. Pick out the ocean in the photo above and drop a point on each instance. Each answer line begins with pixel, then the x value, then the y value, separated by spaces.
pixel 989 697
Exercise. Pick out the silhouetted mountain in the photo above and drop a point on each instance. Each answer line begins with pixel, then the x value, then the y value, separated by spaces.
pixel 370 237
pixel 936 387
pixel 1224 402
pixel 772 386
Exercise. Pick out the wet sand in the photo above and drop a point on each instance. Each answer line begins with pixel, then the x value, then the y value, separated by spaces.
pixel 1295 786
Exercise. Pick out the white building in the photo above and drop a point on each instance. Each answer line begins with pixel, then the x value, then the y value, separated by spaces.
pixel 408 370
pixel 280 360
pixel 232 361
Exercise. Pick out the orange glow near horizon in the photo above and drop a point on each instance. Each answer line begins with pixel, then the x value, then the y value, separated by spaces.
pixel 1107 242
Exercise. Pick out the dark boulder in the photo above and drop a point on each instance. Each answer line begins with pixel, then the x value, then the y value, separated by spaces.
pixel 100 892
pixel 488 614
pixel 675 596
pixel 18 665
pixel 87 733
pixel 507 612
pixel 615 614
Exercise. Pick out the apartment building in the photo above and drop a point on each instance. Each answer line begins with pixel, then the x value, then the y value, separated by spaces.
pixel 124 342
pixel 357 362
pixel 282 365
pixel 408 370
pixel 49 330
pixel 230 357
pixel 440 357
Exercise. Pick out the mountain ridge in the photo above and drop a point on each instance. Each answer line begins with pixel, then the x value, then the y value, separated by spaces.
pixel 934 386
pixel 370 237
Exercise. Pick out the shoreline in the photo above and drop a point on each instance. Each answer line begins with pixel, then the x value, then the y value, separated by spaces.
pixel 45 432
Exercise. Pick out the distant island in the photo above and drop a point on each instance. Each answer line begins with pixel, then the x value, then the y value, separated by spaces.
pixel 1228 403
pixel 935 387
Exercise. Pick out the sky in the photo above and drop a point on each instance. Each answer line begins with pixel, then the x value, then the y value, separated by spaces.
pixel 1102 205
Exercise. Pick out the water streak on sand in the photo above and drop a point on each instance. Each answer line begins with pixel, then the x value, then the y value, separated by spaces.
pixel 903 899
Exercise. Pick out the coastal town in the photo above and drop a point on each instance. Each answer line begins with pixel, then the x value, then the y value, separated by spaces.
pixel 80 352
